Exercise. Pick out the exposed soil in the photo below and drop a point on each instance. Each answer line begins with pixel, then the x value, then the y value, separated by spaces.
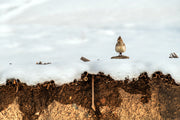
pixel 33 99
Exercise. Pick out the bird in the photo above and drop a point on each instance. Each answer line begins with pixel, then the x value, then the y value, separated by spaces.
pixel 120 46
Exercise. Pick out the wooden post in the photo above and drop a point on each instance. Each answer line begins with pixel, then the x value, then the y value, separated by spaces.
pixel 93 106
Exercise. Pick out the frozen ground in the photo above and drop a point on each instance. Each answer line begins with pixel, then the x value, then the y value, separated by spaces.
pixel 60 32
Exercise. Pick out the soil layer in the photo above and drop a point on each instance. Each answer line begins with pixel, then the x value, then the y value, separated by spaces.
pixel 34 99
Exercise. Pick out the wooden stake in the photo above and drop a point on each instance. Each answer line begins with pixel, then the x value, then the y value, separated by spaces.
pixel 93 106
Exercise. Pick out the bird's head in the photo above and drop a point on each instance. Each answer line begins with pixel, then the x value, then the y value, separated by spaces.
pixel 119 39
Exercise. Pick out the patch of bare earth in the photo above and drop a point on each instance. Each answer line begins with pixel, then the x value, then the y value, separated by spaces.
pixel 148 98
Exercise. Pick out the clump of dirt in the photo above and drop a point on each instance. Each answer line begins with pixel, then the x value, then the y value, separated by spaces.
pixel 139 86
pixel 159 77
pixel 34 99
pixel 7 94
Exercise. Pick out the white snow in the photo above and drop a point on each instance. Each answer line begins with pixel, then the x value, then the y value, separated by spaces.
pixel 60 32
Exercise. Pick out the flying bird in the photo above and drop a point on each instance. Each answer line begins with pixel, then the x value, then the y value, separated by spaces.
pixel 120 46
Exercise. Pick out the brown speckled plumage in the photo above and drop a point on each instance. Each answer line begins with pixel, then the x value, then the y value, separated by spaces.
pixel 120 46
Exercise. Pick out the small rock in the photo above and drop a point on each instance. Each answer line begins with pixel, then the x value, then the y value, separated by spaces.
pixel 103 101
pixel 84 59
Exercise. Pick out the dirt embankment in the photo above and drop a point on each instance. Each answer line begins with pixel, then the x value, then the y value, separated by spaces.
pixel 155 97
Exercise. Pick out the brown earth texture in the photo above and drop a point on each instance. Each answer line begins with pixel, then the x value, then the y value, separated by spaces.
pixel 155 97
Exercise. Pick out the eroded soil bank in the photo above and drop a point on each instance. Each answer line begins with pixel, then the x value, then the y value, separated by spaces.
pixel 149 97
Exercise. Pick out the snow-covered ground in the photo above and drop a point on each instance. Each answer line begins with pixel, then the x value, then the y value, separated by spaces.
pixel 60 32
